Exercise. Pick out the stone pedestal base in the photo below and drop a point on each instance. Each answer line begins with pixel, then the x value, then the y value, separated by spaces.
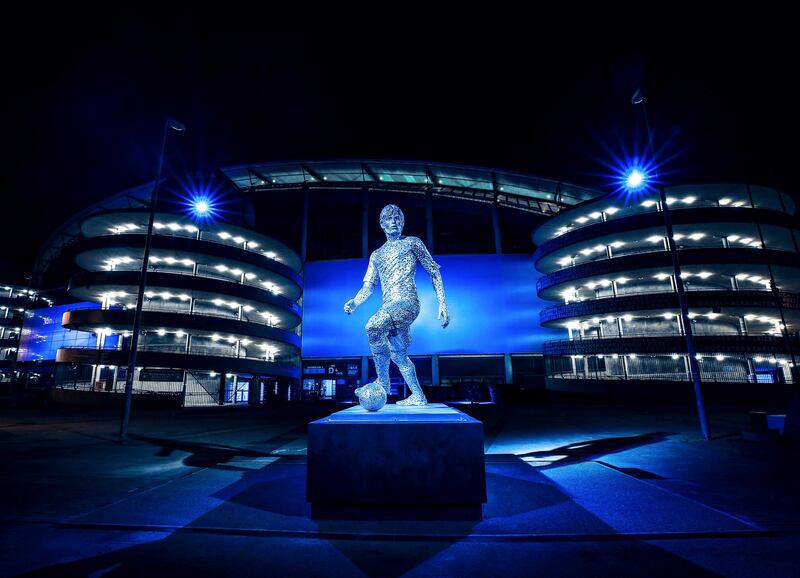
pixel 400 462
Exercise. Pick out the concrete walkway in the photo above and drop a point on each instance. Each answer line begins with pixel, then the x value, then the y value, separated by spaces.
pixel 574 489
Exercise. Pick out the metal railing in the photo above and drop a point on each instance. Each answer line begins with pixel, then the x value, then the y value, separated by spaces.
pixel 222 314
pixel 194 350
pixel 204 235
pixel 696 330
pixel 706 376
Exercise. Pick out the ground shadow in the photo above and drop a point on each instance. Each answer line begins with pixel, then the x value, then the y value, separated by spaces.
pixel 201 455
pixel 210 455
pixel 519 491
pixel 278 488
pixel 591 449
pixel 204 548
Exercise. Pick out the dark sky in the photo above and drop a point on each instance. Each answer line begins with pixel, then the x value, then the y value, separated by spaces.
pixel 83 103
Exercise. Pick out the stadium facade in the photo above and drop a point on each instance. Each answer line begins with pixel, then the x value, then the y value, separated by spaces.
pixel 607 265
pixel 245 306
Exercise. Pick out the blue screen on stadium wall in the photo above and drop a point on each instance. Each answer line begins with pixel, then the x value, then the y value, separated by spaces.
pixel 42 334
pixel 491 298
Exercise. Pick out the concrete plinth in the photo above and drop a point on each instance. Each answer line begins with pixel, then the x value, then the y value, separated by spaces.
pixel 398 462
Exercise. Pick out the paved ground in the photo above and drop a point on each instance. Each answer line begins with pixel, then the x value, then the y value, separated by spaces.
pixel 574 489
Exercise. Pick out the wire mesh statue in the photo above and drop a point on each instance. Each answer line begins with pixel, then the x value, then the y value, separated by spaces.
pixel 388 331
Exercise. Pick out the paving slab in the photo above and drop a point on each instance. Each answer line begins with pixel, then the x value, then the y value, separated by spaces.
pixel 587 499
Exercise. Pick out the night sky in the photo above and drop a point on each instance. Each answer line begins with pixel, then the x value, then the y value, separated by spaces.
pixel 83 103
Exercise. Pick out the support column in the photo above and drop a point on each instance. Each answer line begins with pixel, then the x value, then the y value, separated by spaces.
pixel 429 220
pixel 222 380
pixel 253 389
pixel 498 240
pixel 304 228
pixel 742 325
pixel 509 369
pixel 364 370
pixel 365 222
pixel 751 369
pixel 435 371
pixel 183 387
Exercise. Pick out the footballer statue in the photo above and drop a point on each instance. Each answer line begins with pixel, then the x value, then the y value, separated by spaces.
pixel 388 331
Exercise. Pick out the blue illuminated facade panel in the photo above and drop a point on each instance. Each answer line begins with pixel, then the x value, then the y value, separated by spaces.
pixel 491 299
pixel 15 305
pixel 43 335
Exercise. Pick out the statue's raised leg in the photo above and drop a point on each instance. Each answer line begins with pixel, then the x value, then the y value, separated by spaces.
pixel 378 328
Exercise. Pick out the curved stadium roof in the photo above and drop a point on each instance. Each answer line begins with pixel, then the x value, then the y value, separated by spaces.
pixel 511 189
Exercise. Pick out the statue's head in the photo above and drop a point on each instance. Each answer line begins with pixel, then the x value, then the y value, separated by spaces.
pixel 392 220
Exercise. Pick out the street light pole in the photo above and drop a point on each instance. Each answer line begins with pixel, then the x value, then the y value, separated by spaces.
pixel 169 123
pixel 688 334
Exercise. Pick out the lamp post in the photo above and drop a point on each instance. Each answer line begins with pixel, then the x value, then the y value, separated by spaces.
pixel 638 99
pixel 169 123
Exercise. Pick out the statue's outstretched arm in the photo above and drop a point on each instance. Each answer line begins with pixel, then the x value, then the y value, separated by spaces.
pixel 432 267
pixel 438 286
pixel 366 290
pixel 363 294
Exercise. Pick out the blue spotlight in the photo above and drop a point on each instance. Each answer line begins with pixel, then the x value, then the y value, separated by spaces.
pixel 635 179
pixel 199 201
pixel 202 207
